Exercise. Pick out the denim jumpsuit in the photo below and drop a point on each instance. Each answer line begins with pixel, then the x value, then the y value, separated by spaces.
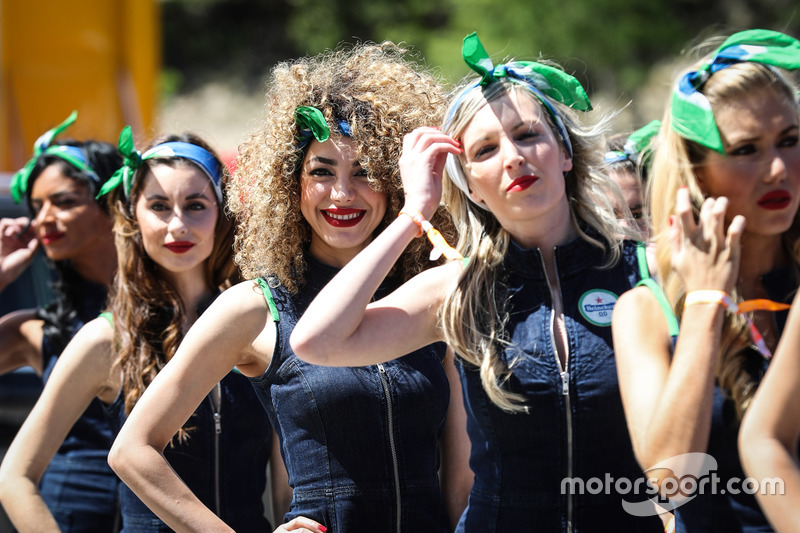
pixel 713 510
pixel 79 487
pixel 574 427
pixel 360 444
pixel 223 460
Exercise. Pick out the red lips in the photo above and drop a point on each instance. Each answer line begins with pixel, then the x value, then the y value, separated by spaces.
pixel 179 247
pixel 49 238
pixel 344 217
pixel 775 200
pixel 521 183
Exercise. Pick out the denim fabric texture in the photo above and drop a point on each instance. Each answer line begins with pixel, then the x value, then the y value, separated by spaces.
pixel 712 510
pixel 360 443
pixel 79 487
pixel 575 425
pixel 231 459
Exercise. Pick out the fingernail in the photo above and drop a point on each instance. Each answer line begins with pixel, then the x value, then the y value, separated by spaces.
pixel 323 528
pixel 671 221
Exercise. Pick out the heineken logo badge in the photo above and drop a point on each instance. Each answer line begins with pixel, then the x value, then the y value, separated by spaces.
pixel 596 306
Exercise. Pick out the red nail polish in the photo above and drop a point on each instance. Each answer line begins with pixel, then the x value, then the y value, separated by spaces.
pixel 323 529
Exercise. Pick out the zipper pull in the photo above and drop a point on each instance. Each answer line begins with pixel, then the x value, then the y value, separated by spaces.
pixel 218 423
pixel 565 383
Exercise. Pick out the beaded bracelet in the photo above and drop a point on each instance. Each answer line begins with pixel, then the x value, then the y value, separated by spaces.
pixel 712 296
pixel 440 246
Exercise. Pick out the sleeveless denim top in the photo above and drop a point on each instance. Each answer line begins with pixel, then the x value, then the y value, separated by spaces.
pixel 223 461
pixel 79 487
pixel 360 444
pixel 529 466
pixel 713 509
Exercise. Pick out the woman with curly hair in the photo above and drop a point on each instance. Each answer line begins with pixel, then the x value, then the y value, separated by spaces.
pixel 528 311
pixel 174 243
pixel 314 185
pixel 725 190
pixel 73 228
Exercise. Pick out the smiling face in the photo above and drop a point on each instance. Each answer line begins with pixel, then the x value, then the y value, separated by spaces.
pixel 760 170
pixel 69 222
pixel 515 165
pixel 177 212
pixel 337 201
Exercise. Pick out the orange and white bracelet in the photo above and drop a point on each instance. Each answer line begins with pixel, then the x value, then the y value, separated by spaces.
pixel 714 296
pixel 440 246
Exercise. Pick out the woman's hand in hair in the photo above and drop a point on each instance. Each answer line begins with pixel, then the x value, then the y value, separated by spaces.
pixel 422 166
pixel 18 243
pixel 705 253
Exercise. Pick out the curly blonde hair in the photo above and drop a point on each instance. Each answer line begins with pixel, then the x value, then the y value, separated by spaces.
pixel 383 95
pixel 147 310
pixel 674 165
pixel 473 314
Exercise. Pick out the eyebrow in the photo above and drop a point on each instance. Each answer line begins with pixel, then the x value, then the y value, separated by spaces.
pixel 58 194
pixel 193 196
pixel 331 162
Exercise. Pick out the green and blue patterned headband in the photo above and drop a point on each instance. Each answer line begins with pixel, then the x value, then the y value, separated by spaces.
pixel 312 124
pixel 636 144
pixel 691 114
pixel 133 159
pixel 71 154
pixel 544 81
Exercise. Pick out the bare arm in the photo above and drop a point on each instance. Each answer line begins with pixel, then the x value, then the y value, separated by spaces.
pixel 668 397
pixel 18 244
pixel 84 371
pixel 455 473
pixel 339 327
pixel 771 430
pixel 21 341
pixel 236 330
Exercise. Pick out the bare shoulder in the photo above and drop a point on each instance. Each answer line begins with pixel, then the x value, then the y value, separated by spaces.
pixel 640 322
pixel 243 305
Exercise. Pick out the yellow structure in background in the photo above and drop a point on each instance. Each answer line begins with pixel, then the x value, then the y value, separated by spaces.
pixel 101 57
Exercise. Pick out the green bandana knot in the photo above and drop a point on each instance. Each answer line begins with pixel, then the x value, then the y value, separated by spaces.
pixel 691 114
pixel 551 81
pixel 540 79
pixel 131 160
pixel 71 154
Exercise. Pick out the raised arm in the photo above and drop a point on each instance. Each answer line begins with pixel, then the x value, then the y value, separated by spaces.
pixel 771 431
pixel 17 246
pixel 84 371
pixel 667 396
pixel 236 330
pixel 339 327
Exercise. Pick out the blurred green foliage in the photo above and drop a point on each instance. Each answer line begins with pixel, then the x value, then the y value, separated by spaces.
pixel 612 46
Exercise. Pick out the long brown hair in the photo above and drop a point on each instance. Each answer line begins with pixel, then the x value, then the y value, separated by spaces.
pixel 146 308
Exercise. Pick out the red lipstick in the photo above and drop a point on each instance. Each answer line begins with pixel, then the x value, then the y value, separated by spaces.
pixel 521 183
pixel 179 247
pixel 343 218
pixel 49 238
pixel 775 200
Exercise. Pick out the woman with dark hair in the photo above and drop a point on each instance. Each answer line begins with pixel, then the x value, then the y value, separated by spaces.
pixel 174 244
pixel 74 229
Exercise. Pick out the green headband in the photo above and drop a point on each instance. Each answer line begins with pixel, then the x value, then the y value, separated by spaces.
pixel 691 114
pixel 71 154
pixel 542 80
